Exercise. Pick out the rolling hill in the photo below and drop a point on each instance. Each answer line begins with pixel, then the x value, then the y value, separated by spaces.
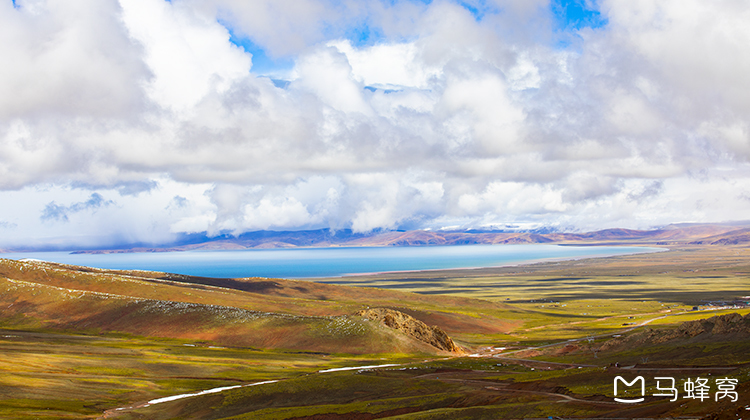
pixel 253 312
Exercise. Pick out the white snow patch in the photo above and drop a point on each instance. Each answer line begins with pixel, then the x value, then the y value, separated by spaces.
pixel 357 367
pixel 208 391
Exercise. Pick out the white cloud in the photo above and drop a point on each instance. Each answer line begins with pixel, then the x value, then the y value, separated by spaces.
pixel 524 75
pixel 282 26
pixel 326 73
pixel 472 120
pixel 494 119
pixel 513 199
pixel 187 52
pixel 67 59
pixel 697 48
pixel 388 65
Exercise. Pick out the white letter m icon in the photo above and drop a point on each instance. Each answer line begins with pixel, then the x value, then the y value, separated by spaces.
pixel 627 384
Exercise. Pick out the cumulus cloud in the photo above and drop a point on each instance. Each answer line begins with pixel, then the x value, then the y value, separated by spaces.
pixel 68 60
pixel 54 211
pixel 187 52
pixel 395 114
pixel 327 74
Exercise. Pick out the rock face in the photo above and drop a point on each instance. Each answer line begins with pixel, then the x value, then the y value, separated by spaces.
pixel 725 324
pixel 414 328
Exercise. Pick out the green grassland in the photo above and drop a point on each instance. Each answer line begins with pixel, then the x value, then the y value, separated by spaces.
pixel 54 375
pixel 686 275
pixel 82 343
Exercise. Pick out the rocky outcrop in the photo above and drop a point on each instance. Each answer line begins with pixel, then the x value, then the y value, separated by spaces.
pixel 727 327
pixel 725 324
pixel 411 327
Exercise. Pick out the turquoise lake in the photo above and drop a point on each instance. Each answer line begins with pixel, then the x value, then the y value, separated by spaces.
pixel 301 263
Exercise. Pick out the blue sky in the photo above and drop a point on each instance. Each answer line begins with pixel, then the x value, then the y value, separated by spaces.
pixel 573 15
pixel 263 64
pixel 136 121
pixel 569 17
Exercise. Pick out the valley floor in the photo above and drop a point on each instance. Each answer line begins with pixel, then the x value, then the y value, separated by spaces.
pixel 542 340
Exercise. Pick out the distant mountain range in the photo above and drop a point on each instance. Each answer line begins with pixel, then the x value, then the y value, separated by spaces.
pixel 736 233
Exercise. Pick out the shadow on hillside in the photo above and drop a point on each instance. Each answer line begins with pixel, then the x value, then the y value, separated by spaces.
pixel 253 286
pixel 684 297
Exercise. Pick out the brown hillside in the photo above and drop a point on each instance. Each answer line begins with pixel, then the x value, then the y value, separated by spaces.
pixel 411 327
pixel 734 237
pixel 296 297
pixel 698 230
pixel 677 233
pixel 730 327
pixel 265 313
pixel 30 306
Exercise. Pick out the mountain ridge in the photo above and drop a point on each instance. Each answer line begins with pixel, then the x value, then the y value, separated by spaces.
pixel 674 234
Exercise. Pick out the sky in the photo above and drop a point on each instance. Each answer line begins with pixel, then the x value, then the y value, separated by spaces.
pixel 137 121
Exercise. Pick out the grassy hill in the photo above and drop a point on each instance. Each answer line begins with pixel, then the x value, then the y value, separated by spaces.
pixel 263 313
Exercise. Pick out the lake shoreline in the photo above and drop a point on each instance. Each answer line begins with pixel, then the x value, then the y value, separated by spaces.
pixel 462 270
pixel 324 263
